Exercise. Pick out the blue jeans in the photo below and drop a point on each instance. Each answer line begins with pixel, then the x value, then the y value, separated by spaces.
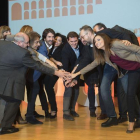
pixel 108 76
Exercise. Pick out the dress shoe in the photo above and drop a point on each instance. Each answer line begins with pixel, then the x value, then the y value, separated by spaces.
pixel 20 120
pixel 92 114
pixel 33 120
pixel 8 130
pixel 74 114
pixel 137 123
pixel 36 115
pixel 102 117
pixel 47 114
pixel 122 119
pixel 110 122
pixel 68 117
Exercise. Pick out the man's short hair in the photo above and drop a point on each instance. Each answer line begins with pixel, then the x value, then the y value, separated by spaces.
pixel 100 25
pixel 72 34
pixel 32 37
pixel 46 31
pixel 86 28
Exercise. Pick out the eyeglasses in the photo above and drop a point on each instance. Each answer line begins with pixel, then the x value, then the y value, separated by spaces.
pixel 82 37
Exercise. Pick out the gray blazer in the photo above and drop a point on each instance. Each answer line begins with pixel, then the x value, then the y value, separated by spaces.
pixel 14 61
pixel 131 53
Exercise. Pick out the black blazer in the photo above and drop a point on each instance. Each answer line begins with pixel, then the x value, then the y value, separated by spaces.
pixel 69 58
pixel 93 76
pixel 57 53
pixel 115 34
pixel 131 34
pixel 14 61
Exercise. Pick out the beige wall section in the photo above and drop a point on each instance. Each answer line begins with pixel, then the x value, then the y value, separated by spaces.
pixel 81 10
pixel 56 12
pixel 33 16
pixel 41 4
pixel 56 3
pixel 64 2
pixel 49 3
pixel 16 15
pixel 26 6
pixel 49 13
pixel 98 1
pixel 89 1
pixel 89 9
pixel 26 15
pixel 72 10
pixel 41 13
pixel 33 5
pixel 81 2
pixel 72 2
pixel 64 11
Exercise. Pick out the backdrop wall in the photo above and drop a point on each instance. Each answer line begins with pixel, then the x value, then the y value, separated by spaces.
pixel 69 15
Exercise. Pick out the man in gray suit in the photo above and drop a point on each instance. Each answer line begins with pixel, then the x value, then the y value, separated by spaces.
pixel 14 60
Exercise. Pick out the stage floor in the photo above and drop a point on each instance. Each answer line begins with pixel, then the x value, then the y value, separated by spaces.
pixel 83 128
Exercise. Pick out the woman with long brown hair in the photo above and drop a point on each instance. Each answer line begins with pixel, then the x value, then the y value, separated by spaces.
pixel 115 54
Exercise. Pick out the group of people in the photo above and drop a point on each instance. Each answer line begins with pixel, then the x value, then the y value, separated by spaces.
pixel 99 53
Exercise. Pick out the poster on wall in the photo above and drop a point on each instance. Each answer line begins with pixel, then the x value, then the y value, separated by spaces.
pixel 69 15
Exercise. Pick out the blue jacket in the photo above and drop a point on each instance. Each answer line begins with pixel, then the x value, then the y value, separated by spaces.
pixel 43 50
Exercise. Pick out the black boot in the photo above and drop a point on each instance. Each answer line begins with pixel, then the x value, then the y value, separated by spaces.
pixel 110 122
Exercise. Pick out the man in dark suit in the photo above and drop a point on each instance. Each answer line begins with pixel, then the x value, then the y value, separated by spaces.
pixel 91 78
pixel 70 54
pixel 15 58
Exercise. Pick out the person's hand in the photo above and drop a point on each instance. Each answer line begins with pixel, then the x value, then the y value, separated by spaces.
pixel 58 63
pixel 126 42
pixel 63 74
pixel 74 69
pixel 71 83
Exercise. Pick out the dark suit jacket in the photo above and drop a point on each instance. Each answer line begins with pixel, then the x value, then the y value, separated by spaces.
pixel 69 58
pixel 115 34
pixel 131 34
pixel 56 54
pixel 14 61
pixel 94 75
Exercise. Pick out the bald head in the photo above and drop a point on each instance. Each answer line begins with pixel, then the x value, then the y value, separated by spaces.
pixel 21 39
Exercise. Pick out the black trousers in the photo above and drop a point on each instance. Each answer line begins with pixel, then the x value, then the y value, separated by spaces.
pixel 9 112
pixel 132 90
pixel 34 89
pixel 49 82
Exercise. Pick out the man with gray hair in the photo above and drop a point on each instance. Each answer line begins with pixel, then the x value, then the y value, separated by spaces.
pixel 15 59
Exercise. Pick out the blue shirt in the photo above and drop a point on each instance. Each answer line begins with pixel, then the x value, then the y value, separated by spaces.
pixel 76 50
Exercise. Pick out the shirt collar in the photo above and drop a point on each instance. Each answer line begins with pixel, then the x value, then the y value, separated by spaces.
pixel 49 47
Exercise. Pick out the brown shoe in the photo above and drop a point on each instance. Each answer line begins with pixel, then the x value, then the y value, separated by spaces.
pixel 102 117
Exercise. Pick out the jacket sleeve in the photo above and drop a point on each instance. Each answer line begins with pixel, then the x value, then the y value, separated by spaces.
pixel 132 52
pixel 89 67
pixel 85 60
pixel 29 62
pixel 116 35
